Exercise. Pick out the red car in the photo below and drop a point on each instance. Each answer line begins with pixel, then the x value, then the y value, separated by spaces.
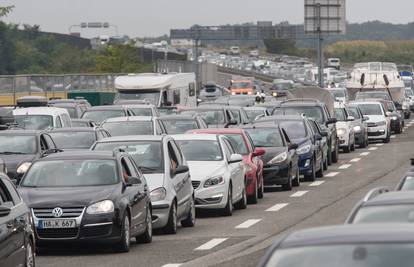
pixel 243 145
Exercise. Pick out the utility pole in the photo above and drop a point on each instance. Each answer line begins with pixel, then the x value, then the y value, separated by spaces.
pixel 320 46
pixel 196 40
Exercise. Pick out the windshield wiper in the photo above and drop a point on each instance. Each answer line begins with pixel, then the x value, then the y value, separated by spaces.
pixel 11 153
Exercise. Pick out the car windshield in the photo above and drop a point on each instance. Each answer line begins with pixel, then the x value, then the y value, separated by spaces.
pixel 211 117
pixel 241 85
pixel 34 122
pixel 99 116
pixel 72 112
pixel 265 137
pixel 73 140
pixel 201 150
pixel 314 113
pixel 340 114
pixel 146 154
pixel 370 109
pixel 385 214
pixel 179 126
pixel 129 128
pixel 238 144
pixel 149 97
pixel 376 95
pixel 282 86
pixel 347 255
pixel 294 129
pixel 354 112
pixel 71 173
pixel 141 111
pixel 18 144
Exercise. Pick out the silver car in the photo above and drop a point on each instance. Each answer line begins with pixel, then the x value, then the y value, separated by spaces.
pixel 360 127
pixel 163 165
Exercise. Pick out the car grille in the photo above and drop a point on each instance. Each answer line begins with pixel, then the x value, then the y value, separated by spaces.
pixel 68 212
pixel 195 184
pixel 57 233
pixel 371 124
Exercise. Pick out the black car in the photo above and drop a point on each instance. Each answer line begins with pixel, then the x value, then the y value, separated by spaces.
pixel 100 113
pixel 397 117
pixel 314 109
pixel 179 124
pixel 323 143
pixel 19 148
pixel 83 123
pixel 88 196
pixel 77 137
pixel 280 162
pixel 17 240
pixel 379 245
pixel 215 116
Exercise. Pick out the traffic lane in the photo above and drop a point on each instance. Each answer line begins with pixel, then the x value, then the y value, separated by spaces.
pixel 331 202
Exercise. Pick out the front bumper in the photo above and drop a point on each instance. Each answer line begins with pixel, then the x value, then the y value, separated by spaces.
pixel 343 140
pixel 276 174
pixel 214 197
pixel 377 132
pixel 160 213
pixel 305 163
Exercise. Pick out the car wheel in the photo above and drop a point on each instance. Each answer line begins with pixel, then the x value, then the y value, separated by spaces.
pixel 387 140
pixel 348 148
pixel 242 204
pixel 171 227
pixel 191 217
pixel 30 255
pixel 146 237
pixel 288 185
pixel 319 173
pixel 228 210
pixel 312 176
pixel 296 181
pixel 253 199
pixel 124 243
pixel 329 157
pixel 353 146
pixel 363 144
pixel 325 164
pixel 335 155
pixel 261 190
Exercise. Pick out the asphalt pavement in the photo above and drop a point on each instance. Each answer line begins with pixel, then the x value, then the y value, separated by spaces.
pixel 242 239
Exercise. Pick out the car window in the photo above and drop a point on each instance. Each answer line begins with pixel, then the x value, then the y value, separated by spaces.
pixel 66 120
pixel 131 167
pixel 172 157
pixel 228 148
pixel 125 170
pixel 49 141
pixel 43 144
pixel 178 153
pixel 58 122
pixel 13 192
pixel 354 112
pixel 6 199
pixel 238 144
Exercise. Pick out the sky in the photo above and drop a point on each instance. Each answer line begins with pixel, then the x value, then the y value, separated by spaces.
pixel 150 18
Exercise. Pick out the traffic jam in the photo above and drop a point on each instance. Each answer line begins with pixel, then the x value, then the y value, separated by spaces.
pixel 149 163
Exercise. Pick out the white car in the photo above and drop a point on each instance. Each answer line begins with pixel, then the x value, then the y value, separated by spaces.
pixel 218 174
pixel 41 118
pixel 345 128
pixel 379 123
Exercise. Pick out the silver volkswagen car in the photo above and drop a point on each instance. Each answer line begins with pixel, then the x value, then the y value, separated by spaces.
pixel 163 165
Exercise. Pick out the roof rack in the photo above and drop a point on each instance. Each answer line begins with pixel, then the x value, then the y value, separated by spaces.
pixel 375 192
pixel 300 100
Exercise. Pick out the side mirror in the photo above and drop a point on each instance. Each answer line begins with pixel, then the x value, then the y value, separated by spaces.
pixel 133 181
pixel 292 146
pixel 365 118
pixel 258 152
pixel 350 118
pixel 388 114
pixel 181 169
pixel 234 158
pixel 4 211
pixel 318 137
pixel 324 134
pixel 331 121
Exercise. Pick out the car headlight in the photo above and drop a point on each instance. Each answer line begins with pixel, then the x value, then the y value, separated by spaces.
pixel 233 93
pixel 341 131
pixel 106 206
pixel 279 158
pixel 357 129
pixel 214 181
pixel 394 118
pixel 381 123
pixel 249 93
pixel 158 194
pixel 23 167
pixel 304 149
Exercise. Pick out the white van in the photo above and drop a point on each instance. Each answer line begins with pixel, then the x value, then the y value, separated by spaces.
pixel 173 89
pixel 40 118
pixel 334 63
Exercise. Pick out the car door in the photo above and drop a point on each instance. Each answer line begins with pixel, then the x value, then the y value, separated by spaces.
pixel 236 170
pixel 177 179
pixel 188 187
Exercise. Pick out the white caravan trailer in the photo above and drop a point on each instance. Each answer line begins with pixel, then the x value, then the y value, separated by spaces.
pixel 172 89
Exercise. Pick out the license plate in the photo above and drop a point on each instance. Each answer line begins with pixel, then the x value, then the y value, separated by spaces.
pixel 54 224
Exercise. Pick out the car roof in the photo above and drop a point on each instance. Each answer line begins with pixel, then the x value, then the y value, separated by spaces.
pixel 73 129
pixel 84 154
pixel 177 117
pixel 280 118
pixel 130 118
pixel 133 138
pixel 398 197
pixel 219 131
pixel 366 102
pixel 21 132
pixel 39 111
pixel 206 107
pixel 108 107
pixel 150 106
pixel 255 108
pixel 205 137
pixel 64 104
pixel 350 234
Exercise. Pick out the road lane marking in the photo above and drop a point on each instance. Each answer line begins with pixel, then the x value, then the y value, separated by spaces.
pixel 344 166
pixel 365 153
pixel 211 244
pixel 332 174
pixel 393 136
pixel 248 223
pixel 379 144
pixel 372 148
pixel 317 183
pixel 277 207
pixel 299 193
pixel 355 160
pixel 172 265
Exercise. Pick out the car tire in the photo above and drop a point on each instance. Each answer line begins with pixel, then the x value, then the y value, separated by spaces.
pixel 254 199
pixel 124 244
pixel 288 186
pixel 329 157
pixel 353 146
pixel 261 190
pixel 335 154
pixel 325 164
pixel 363 144
pixel 387 139
pixel 171 227
pixel 296 181
pixel 400 130
pixel 319 173
pixel 228 210
pixel 347 149
pixel 191 217
pixel 30 255
pixel 146 237
pixel 312 176
pixel 242 204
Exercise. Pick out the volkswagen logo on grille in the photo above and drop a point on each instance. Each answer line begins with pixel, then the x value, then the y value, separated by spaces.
pixel 57 212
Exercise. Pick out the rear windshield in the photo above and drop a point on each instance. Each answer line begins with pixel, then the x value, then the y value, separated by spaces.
pixel 99 116
pixel 129 128
pixel 314 113
pixel 265 137
pixel 370 109
pixel 294 129
pixel 34 122
pixel 73 140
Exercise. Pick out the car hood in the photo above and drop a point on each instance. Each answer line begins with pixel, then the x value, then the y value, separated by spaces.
pixel 271 152
pixel 200 170
pixel 342 124
pixel 67 196
pixel 13 161
pixel 375 118
pixel 154 180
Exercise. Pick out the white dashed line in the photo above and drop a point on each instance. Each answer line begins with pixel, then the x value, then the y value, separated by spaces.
pixel 172 265
pixel 299 193
pixel 379 144
pixel 277 207
pixel 248 223
pixel 372 148
pixel 365 153
pixel 332 174
pixel 355 160
pixel 344 166
pixel 211 244
pixel 317 183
